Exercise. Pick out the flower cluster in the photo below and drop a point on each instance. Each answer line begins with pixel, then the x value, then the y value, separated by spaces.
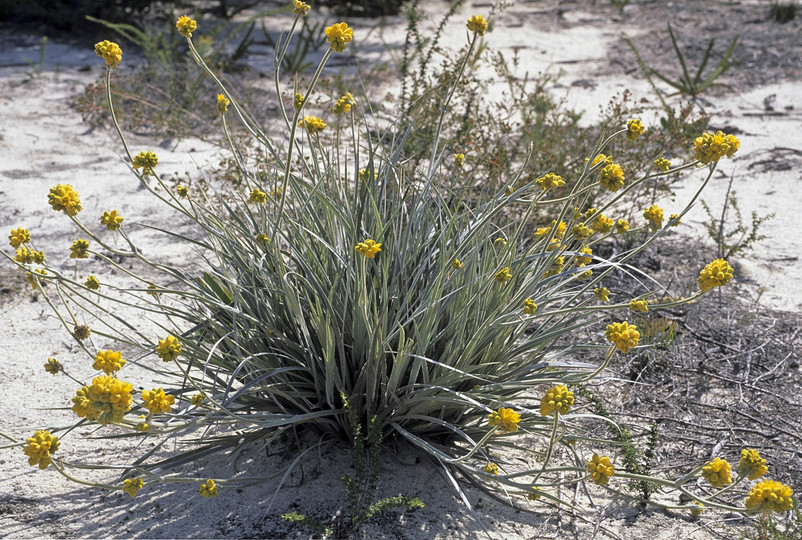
pixel 639 305
pixel 586 257
pixel 145 161
pixel 602 224
pixel 64 198
pixel 709 148
pixel 53 366
pixel 716 274
pixel 506 420
pixel 635 129
pixel 600 469
pixel 26 255
pixel 106 401
pixel 557 399
pixel 662 164
pixel 156 401
pixel 581 231
pixel 459 160
pixel 623 335
pixel 168 348
pixel 622 226
pixel 477 24
pixel 550 181
pixel 369 248
pixel 81 332
pixel 298 101
pixel 718 472
pixel 18 237
pixel 32 277
pixel 222 104
pixel 529 306
pixel 109 361
pixel 654 215
pixel 208 489
pixel 186 26
pixel 40 447
pixel 343 105
pixel 313 124
pixel 197 400
pixel 503 275
pixel 182 191
pixel 769 496
pixel 79 249
pixel 257 196
pixel 612 176
pixel 110 52
pixel 132 485
pixel 456 264
pixel 491 468
pixel 602 294
pixel 338 34
pixel 751 465
pixel 92 283
pixel 111 219
pixel 299 8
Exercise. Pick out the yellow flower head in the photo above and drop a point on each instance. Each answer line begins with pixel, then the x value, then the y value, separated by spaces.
pixel 53 366
pixel 343 105
pixel 529 307
pixel 168 348
pixel 654 215
pixel 534 495
pixel 109 361
pixel 550 181
pixel 557 399
pixel 208 489
pixel 33 279
pixel 368 248
pixel 26 255
pixel 106 401
pixel 716 274
pixel 456 265
pixel 111 219
pixel 477 24
pixel 601 157
pixel 64 198
pixel 262 239
pixel 500 242
pixel 612 177
pixel 600 469
pixel 581 231
pixel 556 267
pixel 622 226
pixel 751 465
pixel 92 283
pixel 623 335
pixel 712 147
pixel 222 104
pixel 718 472
pixel 503 275
pixel 197 399
pixel 459 160
pixel 81 332
pixel 145 161
pixel 156 401
pixel 298 101
pixel 258 196
pixel 182 191
pixel 79 249
pixel 18 237
pixel 40 447
pixel 601 294
pixel 186 26
pixel 673 217
pixel 697 509
pixel 602 224
pixel 639 305
pixel 768 496
pixel 143 427
pixel 491 468
pixel 338 34
pixel 635 129
pixel 580 260
pixel 506 419
pixel 662 164
pixel 313 124
pixel 299 8
pixel 110 52
pixel 132 485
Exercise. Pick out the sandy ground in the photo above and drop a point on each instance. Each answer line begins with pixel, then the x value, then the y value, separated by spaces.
pixel 44 142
